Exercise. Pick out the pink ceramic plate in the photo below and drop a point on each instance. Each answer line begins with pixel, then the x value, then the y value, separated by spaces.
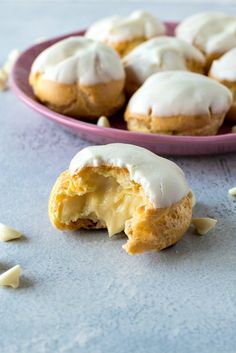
pixel 175 145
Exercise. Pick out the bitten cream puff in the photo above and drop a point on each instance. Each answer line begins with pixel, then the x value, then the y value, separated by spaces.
pixel 224 71
pixel 213 33
pixel 79 77
pixel 125 33
pixel 126 188
pixel 178 103
pixel 160 54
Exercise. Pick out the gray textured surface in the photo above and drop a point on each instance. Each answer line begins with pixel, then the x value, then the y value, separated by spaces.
pixel 81 293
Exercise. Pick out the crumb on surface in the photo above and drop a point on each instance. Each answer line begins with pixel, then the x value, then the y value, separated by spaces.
pixel 103 122
pixel 203 224
pixel 232 191
pixel 7 68
pixel 8 233
pixel 11 277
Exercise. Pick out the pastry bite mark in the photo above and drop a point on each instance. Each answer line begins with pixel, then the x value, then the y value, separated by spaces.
pixel 11 277
pixel 204 224
pixel 103 122
pixel 212 32
pixel 223 70
pixel 125 33
pixel 232 191
pixel 178 103
pixel 8 233
pixel 123 188
pixel 79 77
pixel 160 54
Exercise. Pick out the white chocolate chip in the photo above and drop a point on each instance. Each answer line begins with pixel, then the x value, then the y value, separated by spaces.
pixel 233 130
pixel 13 55
pixel 203 225
pixel 7 233
pixel 3 85
pixel 6 69
pixel 3 80
pixel 11 277
pixel 103 122
pixel 232 191
pixel 3 75
pixel 11 59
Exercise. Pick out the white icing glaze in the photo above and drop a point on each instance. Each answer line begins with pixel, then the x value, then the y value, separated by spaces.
pixel 212 32
pixel 160 54
pixel 118 29
pixel 173 93
pixel 163 181
pixel 79 59
pixel 225 67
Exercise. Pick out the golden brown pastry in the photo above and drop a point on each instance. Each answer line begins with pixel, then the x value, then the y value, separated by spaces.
pixel 212 32
pixel 125 33
pixel 160 54
pixel 178 103
pixel 126 188
pixel 79 77
pixel 223 70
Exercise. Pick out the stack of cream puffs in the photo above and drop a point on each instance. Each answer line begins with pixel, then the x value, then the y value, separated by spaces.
pixel 181 85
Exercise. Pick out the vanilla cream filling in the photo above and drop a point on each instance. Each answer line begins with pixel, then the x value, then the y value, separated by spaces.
pixel 162 181
pixel 106 201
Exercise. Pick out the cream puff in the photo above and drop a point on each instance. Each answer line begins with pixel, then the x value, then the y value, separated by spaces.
pixel 213 33
pixel 126 188
pixel 178 103
pixel 125 33
pixel 224 71
pixel 79 77
pixel 160 54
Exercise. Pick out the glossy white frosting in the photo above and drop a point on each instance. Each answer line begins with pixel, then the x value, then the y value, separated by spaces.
pixel 79 59
pixel 173 93
pixel 225 67
pixel 212 32
pixel 160 54
pixel 118 29
pixel 163 181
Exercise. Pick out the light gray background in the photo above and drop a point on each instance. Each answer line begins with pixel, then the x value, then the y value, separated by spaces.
pixel 81 293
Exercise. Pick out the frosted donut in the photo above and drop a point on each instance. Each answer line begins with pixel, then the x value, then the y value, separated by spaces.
pixel 125 33
pixel 79 77
pixel 160 54
pixel 213 33
pixel 224 71
pixel 126 188
pixel 178 103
